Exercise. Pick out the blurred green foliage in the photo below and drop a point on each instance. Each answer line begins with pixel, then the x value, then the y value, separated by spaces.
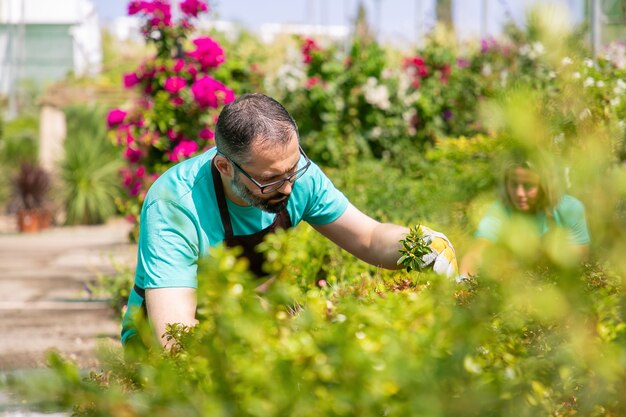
pixel 90 168
pixel 534 334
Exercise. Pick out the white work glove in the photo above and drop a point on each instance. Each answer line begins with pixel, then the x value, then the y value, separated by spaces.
pixel 442 256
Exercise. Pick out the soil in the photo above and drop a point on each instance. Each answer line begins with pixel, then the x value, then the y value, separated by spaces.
pixel 44 301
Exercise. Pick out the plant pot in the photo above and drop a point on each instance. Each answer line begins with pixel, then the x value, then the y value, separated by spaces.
pixel 33 220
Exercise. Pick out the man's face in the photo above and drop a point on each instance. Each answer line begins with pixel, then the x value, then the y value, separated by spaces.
pixel 269 164
pixel 272 203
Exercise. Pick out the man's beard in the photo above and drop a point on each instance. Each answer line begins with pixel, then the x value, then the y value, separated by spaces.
pixel 246 195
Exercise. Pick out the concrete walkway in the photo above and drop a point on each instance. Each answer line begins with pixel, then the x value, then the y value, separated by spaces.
pixel 43 299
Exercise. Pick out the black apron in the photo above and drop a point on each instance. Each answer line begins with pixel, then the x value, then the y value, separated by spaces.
pixel 247 242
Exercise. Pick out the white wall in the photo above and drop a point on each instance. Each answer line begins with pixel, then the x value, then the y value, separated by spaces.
pixel 80 15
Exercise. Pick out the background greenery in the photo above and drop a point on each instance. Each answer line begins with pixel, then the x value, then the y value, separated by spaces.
pixel 410 138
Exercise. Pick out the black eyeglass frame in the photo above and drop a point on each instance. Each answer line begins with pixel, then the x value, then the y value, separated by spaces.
pixel 274 185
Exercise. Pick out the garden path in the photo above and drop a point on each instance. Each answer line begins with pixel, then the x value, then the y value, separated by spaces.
pixel 44 303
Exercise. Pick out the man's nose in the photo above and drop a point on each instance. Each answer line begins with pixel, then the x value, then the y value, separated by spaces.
pixel 286 187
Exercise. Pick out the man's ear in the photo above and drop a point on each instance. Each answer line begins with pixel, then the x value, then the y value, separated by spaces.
pixel 223 166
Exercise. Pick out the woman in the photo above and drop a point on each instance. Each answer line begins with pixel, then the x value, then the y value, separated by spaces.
pixel 526 192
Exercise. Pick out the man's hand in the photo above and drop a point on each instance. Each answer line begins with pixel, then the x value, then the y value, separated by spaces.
pixel 442 256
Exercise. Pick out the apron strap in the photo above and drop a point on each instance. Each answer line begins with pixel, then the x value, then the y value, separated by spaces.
pixel 221 200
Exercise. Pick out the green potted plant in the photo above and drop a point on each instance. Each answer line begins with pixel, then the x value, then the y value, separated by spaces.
pixel 31 186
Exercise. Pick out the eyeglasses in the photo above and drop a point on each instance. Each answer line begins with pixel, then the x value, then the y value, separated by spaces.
pixel 270 187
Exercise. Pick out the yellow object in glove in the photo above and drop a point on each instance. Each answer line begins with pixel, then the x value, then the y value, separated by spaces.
pixel 440 254
pixel 443 256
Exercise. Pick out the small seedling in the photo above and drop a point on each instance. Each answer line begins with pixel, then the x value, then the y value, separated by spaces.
pixel 414 248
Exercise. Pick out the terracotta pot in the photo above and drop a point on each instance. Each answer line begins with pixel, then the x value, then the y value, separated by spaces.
pixel 34 220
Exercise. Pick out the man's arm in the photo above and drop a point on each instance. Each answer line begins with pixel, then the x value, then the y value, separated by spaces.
pixel 168 306
pixel 369 240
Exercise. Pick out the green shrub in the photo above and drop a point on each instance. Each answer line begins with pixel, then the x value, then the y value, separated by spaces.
pixel 527 339
pixel 90 168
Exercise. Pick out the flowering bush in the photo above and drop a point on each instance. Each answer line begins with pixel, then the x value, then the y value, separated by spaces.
pixel 174 114
pixel 367 102
pixel 339 100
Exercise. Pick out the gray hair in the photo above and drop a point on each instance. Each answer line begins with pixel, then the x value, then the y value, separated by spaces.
pixel 249 119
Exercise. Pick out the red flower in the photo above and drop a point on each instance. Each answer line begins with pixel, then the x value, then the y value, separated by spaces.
pixel 418 65
pixel 308 47
pixel 312 82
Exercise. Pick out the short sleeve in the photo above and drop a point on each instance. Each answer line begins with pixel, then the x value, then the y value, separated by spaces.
pixel 491 223
pixel 325 202
pixel 572 213
pixel 168 247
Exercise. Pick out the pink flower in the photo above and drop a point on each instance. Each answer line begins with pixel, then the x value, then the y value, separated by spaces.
pixel 174 84
pixel 206 134
pixel 193 7
pixel 192 70
pixel 127 176
pixel 183 150
pixel 137 6
pixel 160 10
pixel 129 138
pixel 135 189
pixel 487 44
pixel 146 71
pixel 178 66
pixel 115 117
pixel 131 79
pixel 208 53
pixel 462 63
pixel 132 155
pixel 177 101
pixel 208 92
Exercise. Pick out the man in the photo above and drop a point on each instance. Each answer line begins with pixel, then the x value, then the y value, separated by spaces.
pixel 256 180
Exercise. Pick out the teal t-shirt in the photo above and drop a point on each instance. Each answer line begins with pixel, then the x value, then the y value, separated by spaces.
pixel 180 222
pixel 569 214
